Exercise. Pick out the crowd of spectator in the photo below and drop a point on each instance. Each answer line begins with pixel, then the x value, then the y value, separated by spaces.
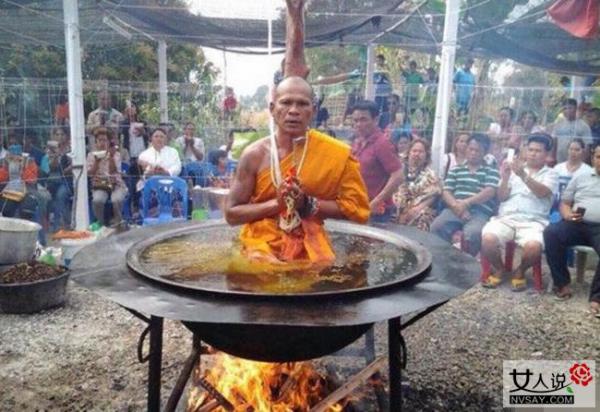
pixel 123 151
pixel 521 182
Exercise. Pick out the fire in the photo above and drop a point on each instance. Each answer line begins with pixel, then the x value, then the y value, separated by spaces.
pixel 260 387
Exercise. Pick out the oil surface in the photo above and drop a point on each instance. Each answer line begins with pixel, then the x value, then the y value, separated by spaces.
pixel 212 261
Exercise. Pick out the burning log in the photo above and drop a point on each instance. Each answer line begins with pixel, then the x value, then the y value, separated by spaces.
pixel 212 391
pixel 210 406
pixel 354 382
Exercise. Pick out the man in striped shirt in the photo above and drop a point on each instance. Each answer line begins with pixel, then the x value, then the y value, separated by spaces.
pixel 469 192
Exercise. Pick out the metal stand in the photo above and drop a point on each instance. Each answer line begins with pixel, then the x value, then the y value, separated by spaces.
pixel 396 355
pixel 397 359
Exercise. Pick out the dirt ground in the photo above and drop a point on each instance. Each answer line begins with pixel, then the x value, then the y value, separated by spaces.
pixel 82 357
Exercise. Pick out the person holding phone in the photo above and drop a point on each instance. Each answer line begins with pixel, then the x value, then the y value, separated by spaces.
pixel 580 226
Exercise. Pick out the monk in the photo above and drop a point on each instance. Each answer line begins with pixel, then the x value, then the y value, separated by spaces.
pixel 287 184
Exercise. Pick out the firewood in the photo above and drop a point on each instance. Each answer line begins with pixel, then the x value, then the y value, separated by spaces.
pixel 353 383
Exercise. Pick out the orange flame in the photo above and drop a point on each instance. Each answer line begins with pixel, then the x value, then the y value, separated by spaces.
pixel 262 387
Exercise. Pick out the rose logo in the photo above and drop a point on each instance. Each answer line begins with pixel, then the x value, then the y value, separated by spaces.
pixel 580 374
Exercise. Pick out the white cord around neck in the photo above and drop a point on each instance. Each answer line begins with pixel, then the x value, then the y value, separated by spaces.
pixel 276 176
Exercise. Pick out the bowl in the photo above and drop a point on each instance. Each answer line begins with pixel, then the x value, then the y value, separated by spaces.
pixel 99 154
pixel 18 239
pixel 35 296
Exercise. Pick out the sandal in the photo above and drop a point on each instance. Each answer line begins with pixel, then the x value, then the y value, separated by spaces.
pixel 562 294
pixel 595 309
pixel 492 282
pixel 518 284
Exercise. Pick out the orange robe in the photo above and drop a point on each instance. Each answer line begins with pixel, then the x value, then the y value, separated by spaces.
pixel 329 172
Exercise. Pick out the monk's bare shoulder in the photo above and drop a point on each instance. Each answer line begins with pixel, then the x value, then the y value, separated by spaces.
pixel 254 155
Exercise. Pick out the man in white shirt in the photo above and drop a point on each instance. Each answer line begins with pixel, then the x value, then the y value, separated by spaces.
pixel 568 128
pixel 525 193
pixel 193 147
pixel 158 159
pixel 105 115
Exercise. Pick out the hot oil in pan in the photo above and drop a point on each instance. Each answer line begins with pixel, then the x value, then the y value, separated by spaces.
pixel 215 263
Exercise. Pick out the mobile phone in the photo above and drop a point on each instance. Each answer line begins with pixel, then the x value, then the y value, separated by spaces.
pixel 580 210
pixel 510 155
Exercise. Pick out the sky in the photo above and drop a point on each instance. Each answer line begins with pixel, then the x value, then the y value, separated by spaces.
pixel 245 73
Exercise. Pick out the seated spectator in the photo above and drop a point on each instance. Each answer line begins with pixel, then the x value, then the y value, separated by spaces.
pixel 31 147
pixel 503 135
pixel 104 170
pixel 220 172
pixel 18 177
pixel 580 226
pixel 56 168
pixel 458 154
pixel 469 192
pixel 193 153
pixel 402 141
pixel 573 167
pixel 419 189
pixel 193 147
pixel 525 193
pixel 158 159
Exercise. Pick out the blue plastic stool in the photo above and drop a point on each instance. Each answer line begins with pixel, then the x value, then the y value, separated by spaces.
pixel 164 191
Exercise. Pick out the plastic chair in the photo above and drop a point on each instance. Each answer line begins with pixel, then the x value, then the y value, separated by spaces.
pixel 580 261
pixel 166 191
pixel 486 267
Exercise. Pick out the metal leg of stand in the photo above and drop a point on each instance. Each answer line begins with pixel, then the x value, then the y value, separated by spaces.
pixel 184 376
pixel 395 364
pixel 155 363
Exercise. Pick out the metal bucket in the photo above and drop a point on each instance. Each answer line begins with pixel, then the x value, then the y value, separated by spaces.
pixel 17 240
pixel 33 296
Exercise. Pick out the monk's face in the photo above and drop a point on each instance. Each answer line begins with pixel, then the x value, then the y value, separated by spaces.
pixel 292 107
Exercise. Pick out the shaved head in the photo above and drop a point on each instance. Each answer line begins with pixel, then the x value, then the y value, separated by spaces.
pixel 293 82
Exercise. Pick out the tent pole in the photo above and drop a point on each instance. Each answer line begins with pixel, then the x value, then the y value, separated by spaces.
pixel 369 88
pixel 162 81
pixel 76 116
pixel 444 94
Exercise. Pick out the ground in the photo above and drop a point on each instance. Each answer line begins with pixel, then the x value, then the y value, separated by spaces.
pixel 83 356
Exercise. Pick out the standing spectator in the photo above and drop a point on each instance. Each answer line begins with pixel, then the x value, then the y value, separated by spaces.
pixel 382 84
pixel 430 85
pixel 458 154
pixel 104 116
pixel 469 191
pixel 412 81
pixel 419 189
pixel 351 100
pixel 580 226
pixel 229 104
pixel 592 118
pixel 525 193
pixel 61 111
pixel 569 127
pixel 104 170
pixel 379 163
pixel 397 119
pixel 464 82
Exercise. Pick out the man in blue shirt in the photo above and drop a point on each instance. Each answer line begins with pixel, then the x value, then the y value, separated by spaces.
pixel 464 82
